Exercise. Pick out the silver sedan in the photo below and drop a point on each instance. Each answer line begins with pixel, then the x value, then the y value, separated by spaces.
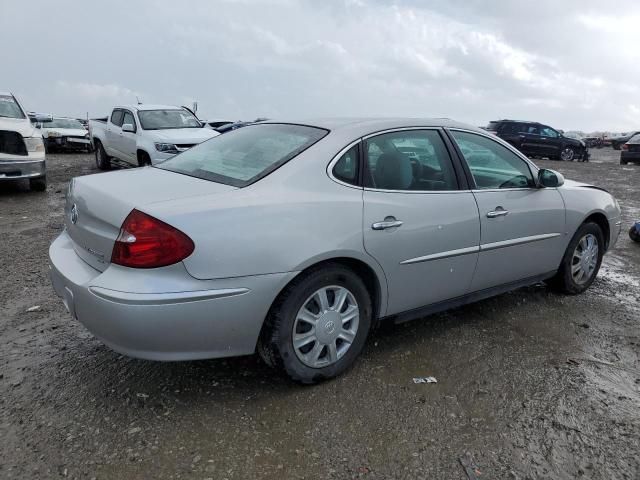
pixel 296 239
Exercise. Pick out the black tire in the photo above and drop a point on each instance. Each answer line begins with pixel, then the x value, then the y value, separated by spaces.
pixel 143 159
pixel 103 161
pixel 623 161
pixel 38 184
pixel 615 145
pixel 634 234
pixel 563 281
pixel 275 345
pixel 570 154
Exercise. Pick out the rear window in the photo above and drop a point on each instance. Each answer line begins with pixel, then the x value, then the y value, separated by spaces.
pixel 244 156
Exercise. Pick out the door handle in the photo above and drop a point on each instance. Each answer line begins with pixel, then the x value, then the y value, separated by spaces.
pixel 389 222
pixel 498 212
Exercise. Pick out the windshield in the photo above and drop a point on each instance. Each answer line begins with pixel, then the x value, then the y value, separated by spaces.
pixel 246 155
pixel 9 107
pixel 165 119
pixel 64 123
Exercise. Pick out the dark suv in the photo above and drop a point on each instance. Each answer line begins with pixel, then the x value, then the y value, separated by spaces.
pixel 538 140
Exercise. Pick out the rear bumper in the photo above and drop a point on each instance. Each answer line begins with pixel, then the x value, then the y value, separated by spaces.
pixel 15 167
pixel 213 318
pixel 630 156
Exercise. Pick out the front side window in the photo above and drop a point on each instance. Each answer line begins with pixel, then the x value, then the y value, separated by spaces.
pixel 116 117
pixel 409 160
pixel 245 155
pixel 346 169
pixel 493 165
pixel 548 132
pixel 9 108
pixel 128 118
pixel 166 119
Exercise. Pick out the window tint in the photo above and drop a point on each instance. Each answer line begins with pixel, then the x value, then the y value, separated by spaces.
pixel 128 118
pixel 409 160
pixel 116 117
pixel 532 129
pixel 512 128
pixel 245 155
pixel 346 169
pixel 548 132
pixel 493 165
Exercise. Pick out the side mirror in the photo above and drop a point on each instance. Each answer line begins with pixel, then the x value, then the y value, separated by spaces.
pixel 127 127
pixel 549 178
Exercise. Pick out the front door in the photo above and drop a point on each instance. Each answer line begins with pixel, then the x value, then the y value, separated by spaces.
pixel 418 225
pixel 523 226
pixel 551 142
pixel 127 140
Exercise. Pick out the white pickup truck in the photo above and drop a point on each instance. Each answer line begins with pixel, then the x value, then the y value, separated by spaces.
pixel 145 134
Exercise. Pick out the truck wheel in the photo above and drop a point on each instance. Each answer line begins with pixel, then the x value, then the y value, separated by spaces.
pixel 38 184
pixel 143 159
pixel 103 162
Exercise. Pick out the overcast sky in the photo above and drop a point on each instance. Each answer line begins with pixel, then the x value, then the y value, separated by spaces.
pixel 573 64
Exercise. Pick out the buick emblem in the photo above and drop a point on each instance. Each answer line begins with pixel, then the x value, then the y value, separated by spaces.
pixel 74 214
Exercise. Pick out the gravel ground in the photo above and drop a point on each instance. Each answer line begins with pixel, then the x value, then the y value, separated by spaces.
pixel 530 384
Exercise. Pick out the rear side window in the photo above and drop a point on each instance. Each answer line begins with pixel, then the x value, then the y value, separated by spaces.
pixel 409 160
pixel 116 117
pixel 493 126
pixel 244 156
pixel 493 165
pixel 346 169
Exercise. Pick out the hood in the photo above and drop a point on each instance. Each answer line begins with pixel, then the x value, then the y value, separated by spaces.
pixel 183 135
pixel 21 125
pixel 574 184
pixel 65 132
pixel 574 141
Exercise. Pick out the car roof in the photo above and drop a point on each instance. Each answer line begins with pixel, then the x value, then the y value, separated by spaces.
pixel 515 121
pixel 363 126
pixel 145 106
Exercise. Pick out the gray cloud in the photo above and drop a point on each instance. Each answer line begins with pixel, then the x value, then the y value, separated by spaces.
pixel 571 64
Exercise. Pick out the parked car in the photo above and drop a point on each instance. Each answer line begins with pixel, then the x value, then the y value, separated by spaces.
pixel 537 140
pixel 65 134
pixel 593 142
pixel 296 239
pixel 216 124
pixel 630 151
pixel 617 142
pixel 22 152
pixel 145 134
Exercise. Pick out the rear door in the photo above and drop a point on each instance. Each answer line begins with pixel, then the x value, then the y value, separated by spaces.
pixel 523 226
pixel 511 133
pixel 420 222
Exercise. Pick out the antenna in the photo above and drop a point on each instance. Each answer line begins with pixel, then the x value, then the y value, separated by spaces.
pixel 138 100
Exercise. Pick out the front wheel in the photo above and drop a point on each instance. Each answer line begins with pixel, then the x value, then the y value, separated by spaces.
pixel 581 261
pixel 567 154
pixel 38 184
pixel 319 324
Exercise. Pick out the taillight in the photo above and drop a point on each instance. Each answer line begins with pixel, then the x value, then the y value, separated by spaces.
pixel 625 146
pixel 146 242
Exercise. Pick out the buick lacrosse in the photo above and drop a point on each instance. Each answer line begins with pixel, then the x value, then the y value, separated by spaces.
pixel 296 239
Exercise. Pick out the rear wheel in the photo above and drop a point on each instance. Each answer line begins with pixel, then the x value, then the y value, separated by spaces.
pixel 581 260
pixel 38 184
pixel 623 161
pixel 103 161
pixel 318 325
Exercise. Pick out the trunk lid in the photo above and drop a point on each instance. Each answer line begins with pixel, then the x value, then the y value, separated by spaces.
pixel 97 205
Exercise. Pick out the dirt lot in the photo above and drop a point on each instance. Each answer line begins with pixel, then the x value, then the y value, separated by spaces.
pixel 530 384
